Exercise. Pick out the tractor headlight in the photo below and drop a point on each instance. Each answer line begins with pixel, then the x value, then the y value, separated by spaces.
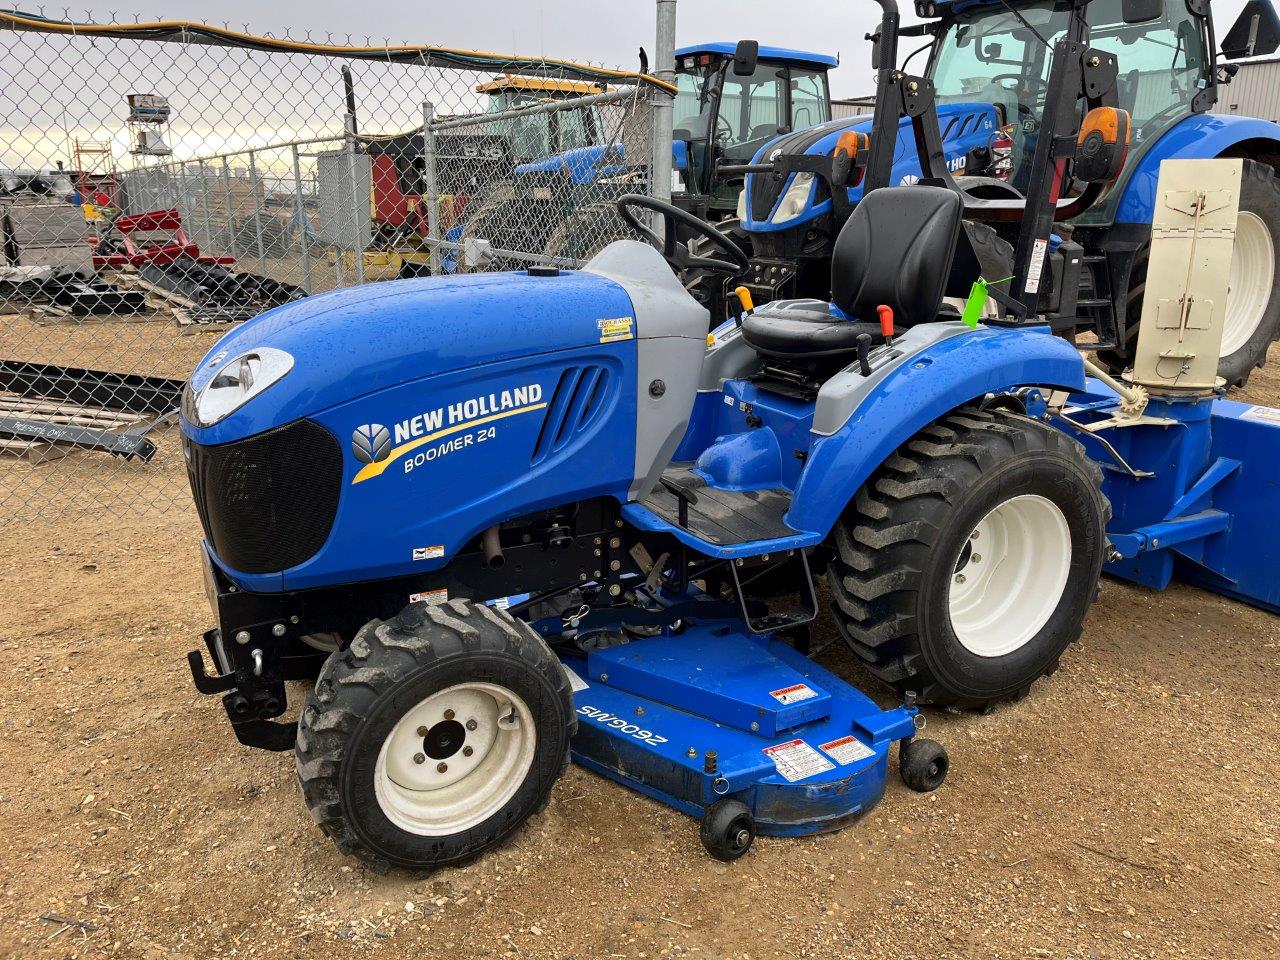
pixel 742 204
pixel 795 199
pixel 237 381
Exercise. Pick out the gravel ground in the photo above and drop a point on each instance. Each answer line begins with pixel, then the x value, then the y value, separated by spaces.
pixel 1127 808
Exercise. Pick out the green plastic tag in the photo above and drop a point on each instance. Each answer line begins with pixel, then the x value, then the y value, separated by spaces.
pixel 974 305
pixel 977 301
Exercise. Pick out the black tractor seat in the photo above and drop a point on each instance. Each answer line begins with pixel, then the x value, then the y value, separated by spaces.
pixel 895 249
pixel 804 329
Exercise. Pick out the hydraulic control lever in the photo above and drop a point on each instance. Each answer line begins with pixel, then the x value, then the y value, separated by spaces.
pixel 864 353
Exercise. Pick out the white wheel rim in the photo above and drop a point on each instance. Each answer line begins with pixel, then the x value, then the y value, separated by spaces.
pixel 430 785
pixel 1009 576
pixel 1253 270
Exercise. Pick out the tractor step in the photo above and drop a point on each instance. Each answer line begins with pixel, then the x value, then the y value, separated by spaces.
pixel 720 516
pixel 715 712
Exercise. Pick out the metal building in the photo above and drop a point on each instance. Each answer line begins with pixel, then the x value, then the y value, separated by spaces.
pixel 1254 92
pixel 852 107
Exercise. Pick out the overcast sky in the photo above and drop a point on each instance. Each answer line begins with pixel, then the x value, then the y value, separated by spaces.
pixel 605 31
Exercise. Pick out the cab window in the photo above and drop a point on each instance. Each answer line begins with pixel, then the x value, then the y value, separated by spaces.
pixel 752 108
pixel 1162 64
pixel 574 129
pixel 810 104
pixel 995 55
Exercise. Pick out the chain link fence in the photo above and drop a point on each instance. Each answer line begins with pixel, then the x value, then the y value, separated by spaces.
pixel 161 183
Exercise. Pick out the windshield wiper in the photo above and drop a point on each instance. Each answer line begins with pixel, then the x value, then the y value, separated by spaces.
pixel 1026 23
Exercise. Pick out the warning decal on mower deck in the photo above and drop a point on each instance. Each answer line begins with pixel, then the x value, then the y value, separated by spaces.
pixel 794 693
pixel 430 596
pixel 796 760
pixel 429 553
pixel 846 750
pixel 1269 414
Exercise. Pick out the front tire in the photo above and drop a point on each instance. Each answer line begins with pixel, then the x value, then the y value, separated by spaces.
pixel 434 735
pixel 915 595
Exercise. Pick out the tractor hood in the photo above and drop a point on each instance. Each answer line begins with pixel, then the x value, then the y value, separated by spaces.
pixel 348 343
pixel 771 204
pixel 579 166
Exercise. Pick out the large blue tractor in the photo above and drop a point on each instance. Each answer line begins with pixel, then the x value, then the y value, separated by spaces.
pixel 505 519
pixel 733 97
pixel 986 71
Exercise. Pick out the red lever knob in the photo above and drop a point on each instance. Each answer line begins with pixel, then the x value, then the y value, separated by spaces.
pixel 886 320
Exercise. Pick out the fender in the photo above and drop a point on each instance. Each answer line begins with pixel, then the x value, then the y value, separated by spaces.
pixel 1199 137
pixel 927 385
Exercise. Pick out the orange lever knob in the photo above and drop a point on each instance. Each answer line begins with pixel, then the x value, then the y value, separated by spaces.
pixel 886 320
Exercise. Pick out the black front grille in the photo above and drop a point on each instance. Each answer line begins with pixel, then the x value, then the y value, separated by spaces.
pixel 267 503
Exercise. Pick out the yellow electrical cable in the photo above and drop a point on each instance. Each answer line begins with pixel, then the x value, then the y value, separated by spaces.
pixel 294 46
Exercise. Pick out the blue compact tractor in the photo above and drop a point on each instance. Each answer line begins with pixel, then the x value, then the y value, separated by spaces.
pixel 502 520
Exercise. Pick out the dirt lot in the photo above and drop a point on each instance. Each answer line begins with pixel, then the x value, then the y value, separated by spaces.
pixel 1127 808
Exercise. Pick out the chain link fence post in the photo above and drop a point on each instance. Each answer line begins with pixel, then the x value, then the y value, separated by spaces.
pixel 431 185
pixel 664 63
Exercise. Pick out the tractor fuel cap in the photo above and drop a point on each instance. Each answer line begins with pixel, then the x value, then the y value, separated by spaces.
pixel 542 270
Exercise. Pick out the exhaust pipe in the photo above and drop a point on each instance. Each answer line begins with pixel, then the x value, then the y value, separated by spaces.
pixel 491 545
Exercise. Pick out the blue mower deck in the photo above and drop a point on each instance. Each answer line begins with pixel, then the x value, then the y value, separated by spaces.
pixel 716 711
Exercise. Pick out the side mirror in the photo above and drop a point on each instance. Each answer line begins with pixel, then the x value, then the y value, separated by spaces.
pixel 1141 11
pixel 745 56
pixel 1256 32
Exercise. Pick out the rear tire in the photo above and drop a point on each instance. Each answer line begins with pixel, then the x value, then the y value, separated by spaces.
pixel 434 735
pixel 915 597
pixel 1253 300
pixel 493 218
pixel 585 232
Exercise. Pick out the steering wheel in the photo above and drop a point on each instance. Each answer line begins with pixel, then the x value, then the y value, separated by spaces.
pixel 1033 86
pixel 673 251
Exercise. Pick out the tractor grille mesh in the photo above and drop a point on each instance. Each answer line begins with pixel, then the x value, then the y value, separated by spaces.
pixel 267 503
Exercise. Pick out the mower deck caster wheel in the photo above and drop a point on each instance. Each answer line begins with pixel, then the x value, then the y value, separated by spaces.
pixel 728 830
pixel 923 764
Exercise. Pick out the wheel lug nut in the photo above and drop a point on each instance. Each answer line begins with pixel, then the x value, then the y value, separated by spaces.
pixel 974 535
pixel 977 558
pixel 422 731
pixel 448 714
pixel 467 751
pixel 960 578
pixel 419 758
pixel 441 767
pixel 471 724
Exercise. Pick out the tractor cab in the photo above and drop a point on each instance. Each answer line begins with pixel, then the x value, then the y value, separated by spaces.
pixel 732 100
pixel 541 134
pixel 1050 118
pixel 1001 54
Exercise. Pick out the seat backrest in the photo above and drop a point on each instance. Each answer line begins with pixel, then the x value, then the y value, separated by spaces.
pixel 896 248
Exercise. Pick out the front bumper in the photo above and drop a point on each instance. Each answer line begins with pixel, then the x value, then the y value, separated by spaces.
pixel 254 649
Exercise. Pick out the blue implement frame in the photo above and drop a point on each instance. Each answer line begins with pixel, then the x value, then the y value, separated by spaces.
pixel 1193 488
